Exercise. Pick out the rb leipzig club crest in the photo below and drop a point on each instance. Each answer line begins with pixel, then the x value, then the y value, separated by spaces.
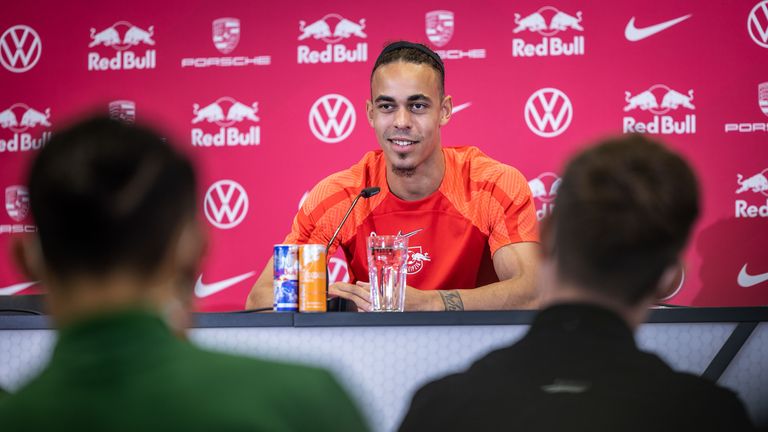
pixel 226 34
pixel 416 259
pixel 439 27
pixel 17 202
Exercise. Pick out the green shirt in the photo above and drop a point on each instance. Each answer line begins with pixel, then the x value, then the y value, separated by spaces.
pixel 127 372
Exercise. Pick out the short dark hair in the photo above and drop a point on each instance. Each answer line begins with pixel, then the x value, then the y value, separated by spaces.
pixel 107 196
pixel 410 52
pixel 623 213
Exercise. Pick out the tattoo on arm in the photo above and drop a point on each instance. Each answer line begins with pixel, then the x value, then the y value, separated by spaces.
pixel 452 300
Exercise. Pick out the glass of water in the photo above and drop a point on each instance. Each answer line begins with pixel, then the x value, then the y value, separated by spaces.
pixel 387 256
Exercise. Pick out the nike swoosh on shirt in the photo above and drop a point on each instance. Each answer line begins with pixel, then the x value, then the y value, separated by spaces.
pixel 747 280
pixel 206 289
pixel 461 107
pixel 13 289
pixel 635 34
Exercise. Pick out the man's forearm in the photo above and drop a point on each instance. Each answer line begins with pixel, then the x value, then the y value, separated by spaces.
pixel 517 293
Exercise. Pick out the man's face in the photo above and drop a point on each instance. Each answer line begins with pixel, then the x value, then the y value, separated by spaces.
pixel 407 111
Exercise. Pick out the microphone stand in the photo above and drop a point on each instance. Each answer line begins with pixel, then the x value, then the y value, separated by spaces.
pixel 365 193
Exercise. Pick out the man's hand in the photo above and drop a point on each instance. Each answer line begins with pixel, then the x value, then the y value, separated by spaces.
pixel 360 294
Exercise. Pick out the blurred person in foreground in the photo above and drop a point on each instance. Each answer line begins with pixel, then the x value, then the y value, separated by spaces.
pixel 117 242
pixel 611 248
pixel 471 220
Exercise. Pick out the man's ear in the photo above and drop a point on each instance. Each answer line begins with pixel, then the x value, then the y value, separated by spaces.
pixel 28 256
pixel 446 109
pixel 369 111
pixel 671 281
pixel 190 246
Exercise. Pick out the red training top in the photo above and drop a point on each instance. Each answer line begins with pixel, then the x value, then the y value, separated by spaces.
pixel 480 206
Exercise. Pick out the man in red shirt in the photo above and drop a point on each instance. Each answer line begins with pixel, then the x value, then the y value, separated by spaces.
pixel 474 239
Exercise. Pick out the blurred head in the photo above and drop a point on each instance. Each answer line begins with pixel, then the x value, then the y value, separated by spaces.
pixel 622 216
pixel 408 105
pixel 110 200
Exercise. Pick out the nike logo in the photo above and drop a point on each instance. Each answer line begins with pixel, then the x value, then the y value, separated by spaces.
pixel 635 34
pixel 410 234
pixel 461 107
pixel 204 290
pixel 747 280
pixel 13 289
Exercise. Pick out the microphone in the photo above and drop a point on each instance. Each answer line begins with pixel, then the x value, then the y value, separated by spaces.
pixel 365 193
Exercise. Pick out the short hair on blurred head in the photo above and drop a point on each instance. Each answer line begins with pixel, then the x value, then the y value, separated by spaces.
pixel 622 215
pixel 109 196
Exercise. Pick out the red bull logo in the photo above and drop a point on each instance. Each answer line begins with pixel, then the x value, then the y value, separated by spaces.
pixel 757 184
pixel 660 100
pixel 548 22
pixel 122 36
pixel 20 118
pixel 544 190
pixel 332 29
pixel 416 259
pixel 225 112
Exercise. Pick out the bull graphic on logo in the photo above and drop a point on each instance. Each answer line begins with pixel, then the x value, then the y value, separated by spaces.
pixel 534 22
pixel 538 190
pixel 648 101
pixel 107 37
pixel 111 37
pixel 214 113
pixel 758 183
pixel 211 113
pixel 226 34
pixel 238 111
pixel 33 117
pixel 8 119
pixel 562 21
pixel 135 36
pixel 17 202
pixel 439 27
pixel 537 21
pixel 416 259
pixel 321 29
pixel 645 101
pixel 673 100
pixel 30 117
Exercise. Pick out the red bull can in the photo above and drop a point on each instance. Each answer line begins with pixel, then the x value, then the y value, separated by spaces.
pixel 286 278
pixel 312 278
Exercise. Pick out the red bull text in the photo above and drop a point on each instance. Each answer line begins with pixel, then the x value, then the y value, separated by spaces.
pixel 286 278
pixel 312 278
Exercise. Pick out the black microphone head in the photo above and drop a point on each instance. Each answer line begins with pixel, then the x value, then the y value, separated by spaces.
pixel 370 191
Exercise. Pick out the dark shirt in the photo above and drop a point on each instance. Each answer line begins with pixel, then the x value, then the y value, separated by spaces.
pixel 577 369
pixel 127 372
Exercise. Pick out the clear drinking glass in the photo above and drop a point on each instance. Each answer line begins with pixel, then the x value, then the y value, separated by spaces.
pixel 387 256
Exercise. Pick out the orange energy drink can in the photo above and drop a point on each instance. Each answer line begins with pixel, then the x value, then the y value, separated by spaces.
pixel 312 277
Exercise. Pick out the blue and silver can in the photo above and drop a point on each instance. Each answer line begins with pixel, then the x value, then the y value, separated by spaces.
pixel 286 278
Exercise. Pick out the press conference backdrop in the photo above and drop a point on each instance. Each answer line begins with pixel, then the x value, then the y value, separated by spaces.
pixel 269 97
